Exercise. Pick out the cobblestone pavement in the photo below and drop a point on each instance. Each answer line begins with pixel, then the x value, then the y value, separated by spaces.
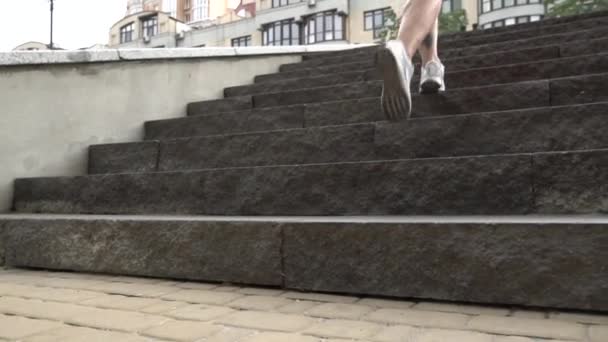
pixel 38 306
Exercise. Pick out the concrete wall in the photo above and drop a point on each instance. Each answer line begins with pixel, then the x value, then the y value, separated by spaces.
pixel 51 113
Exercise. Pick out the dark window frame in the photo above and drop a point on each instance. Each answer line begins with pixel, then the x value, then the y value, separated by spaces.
pixel 493 8
pixel 149 26
pixel 279 3
pixel 241 41
pixel 126 33
pixel 292 36
pixel 321 36
pixel 518 20
pixel 372 14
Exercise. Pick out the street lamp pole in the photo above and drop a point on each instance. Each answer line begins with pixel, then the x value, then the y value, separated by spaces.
pixel 52 8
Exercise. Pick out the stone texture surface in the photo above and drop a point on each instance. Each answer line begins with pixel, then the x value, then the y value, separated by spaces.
pixel 474 185
pixel 225 123
pixel 571 182
pixel 89 323
pixel 583 89
pixel 303 83
pixel 126 157
pixel 305 146
pixel 317 71
pixel 523 131
pixel 541 265
pixel 193 250
pixel 218 106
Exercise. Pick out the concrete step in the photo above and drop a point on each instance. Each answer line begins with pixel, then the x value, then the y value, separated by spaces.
pixel 548 129
pixel 542 69
pixel 528 55
pixel 561 91
pixel 546 183
pixel 511 45
pixel 542 261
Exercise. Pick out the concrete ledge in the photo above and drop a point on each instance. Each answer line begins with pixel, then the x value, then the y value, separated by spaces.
pixel 115 55
pixel 544 261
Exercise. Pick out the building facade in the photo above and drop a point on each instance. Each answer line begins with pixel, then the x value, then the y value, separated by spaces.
pixel 304 22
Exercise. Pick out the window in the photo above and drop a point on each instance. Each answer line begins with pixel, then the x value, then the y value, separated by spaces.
pixel 279 3
pixel 150 26
pixel 241 41
pixel 323 27
pixel 374 20
pixel 512 21
pixel 200 11
pixel 284 32
pixel 493 5
pixel 126 33
pixel 446 6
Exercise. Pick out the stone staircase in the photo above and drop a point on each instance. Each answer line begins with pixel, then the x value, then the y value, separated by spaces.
pixel 495 191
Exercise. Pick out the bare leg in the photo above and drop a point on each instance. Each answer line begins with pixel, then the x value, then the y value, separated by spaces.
pixel 428 48
pixel 419 21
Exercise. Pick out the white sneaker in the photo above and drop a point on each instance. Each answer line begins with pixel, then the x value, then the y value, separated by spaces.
pixel 397 71
pixel 432 78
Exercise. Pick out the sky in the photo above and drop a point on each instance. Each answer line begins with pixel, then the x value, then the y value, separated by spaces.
pixel 78 23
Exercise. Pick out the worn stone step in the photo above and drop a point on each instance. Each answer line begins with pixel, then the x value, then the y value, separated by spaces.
pixel 543 261
pixel 561 91
pixel 218 106
pixel 511 45
pixel 580 127
pixel 265 119
pixel 517 34
pixel 531 55
pixel 545 23
pixel 542 69
pixel 546 183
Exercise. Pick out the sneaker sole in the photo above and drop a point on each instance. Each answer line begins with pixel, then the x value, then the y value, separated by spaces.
pixel 430 87
pixel 396 101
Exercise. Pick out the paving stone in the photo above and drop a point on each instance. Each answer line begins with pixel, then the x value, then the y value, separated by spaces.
pixel 200 312
pixel 121 302
pixel 395 333
pixel 343 329
pixel 164 306
pixel 432 335
pixel 50 294
pixel 386 303
pixel 598 333
pixel 543 328
pixel 297 306
pixel 419 318
pixel 183 330
pixel 261 303
pixel 280 337
pixel 203 296
pixel 124 157
pixel 319 297
pixel 580 317
pixel 255 291
pixel 13 328
pixel 513 339
pixel 226 288
pixel 79 334
pixel 267 321
pixel 116 320
pixel 530 314
pixel 339 310
pixel 39 309
pixel 230 334
pixel 463 309
pixel 137 290
pixel 197 286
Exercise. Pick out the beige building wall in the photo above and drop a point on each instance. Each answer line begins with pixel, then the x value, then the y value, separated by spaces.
pixel 356 23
